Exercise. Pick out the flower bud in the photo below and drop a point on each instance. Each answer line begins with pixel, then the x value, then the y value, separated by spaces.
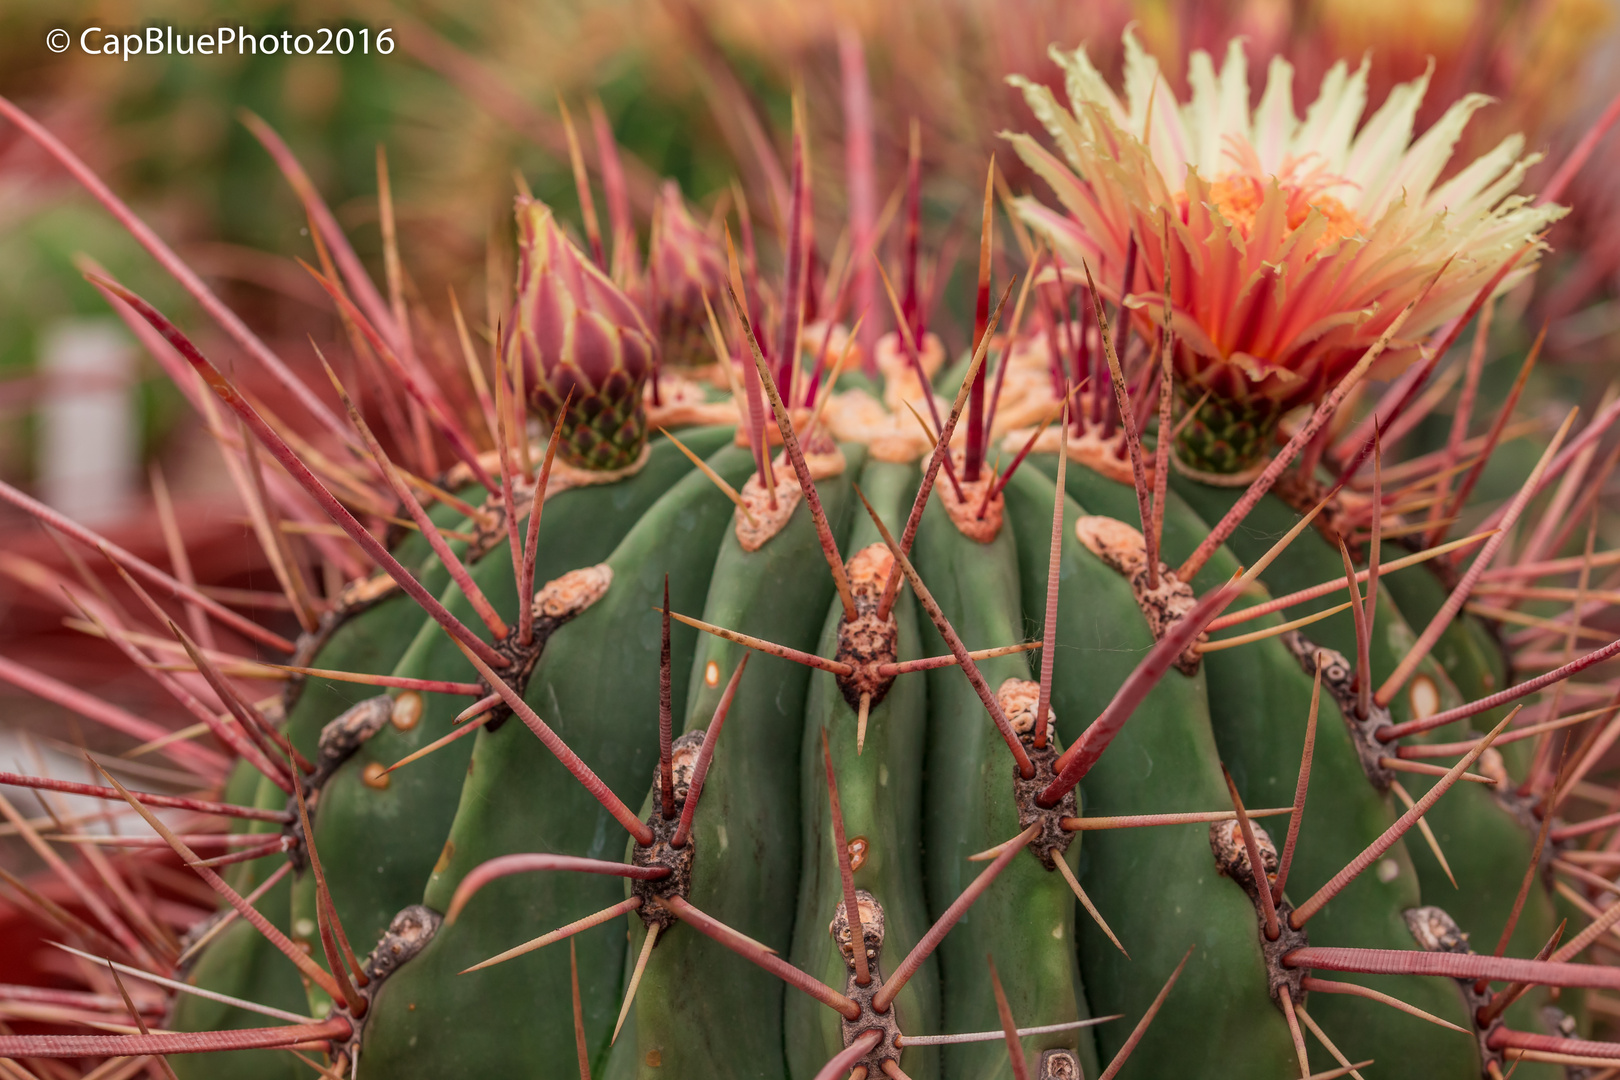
pixel 684 264
pixel 575 331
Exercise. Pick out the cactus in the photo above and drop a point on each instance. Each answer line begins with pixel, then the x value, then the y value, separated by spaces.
pixel 942 768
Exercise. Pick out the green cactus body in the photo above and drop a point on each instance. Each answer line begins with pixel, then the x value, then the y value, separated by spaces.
pixel 517 798
pixel 1253 691
pixel 1169 895
pixel 387 829
pixel 1487 847
pixel 746 870
pixel 932 785
pixel 396 831
pixel 1026 921
pixel 880 789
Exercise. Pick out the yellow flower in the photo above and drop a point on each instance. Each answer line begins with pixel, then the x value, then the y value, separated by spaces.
pixel 1293 243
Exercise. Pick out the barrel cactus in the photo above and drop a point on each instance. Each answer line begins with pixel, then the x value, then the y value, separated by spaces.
pixel 784 708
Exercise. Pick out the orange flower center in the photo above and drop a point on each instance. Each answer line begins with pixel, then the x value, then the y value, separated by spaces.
pixel 1240 196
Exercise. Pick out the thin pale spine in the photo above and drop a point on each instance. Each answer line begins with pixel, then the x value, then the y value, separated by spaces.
pixel 714 478
pixel 992 1036
pixel 507 865
pixel 475 370
pixel 751 380
pixel 1091 908
pixel 186 988
pixel 1351 871
pixel 1147 821
pixel 1322 1037
pixel 441 742
pixel 582 186
pixel 1426 829
pixel 928 663
pixel 397 682
pixel 771 648
pixel 647 944
pixel 1330 986
pixel 179 558
pixel 1404 765
pixel 949 918
pixel 1286 860
pixel 1271 631
pixel 607 914
pixel 1459 595
pixel 1142 1025
pixel 1154 535
pixel 1328 588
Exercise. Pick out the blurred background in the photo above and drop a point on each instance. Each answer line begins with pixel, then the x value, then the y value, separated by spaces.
pixel 695 90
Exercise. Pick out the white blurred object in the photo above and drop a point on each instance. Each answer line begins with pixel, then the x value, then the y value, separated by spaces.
pixel 88 438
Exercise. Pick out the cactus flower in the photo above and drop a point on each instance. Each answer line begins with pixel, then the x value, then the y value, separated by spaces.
pixel 576 332
pixel 1293 243
pixel 684 265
